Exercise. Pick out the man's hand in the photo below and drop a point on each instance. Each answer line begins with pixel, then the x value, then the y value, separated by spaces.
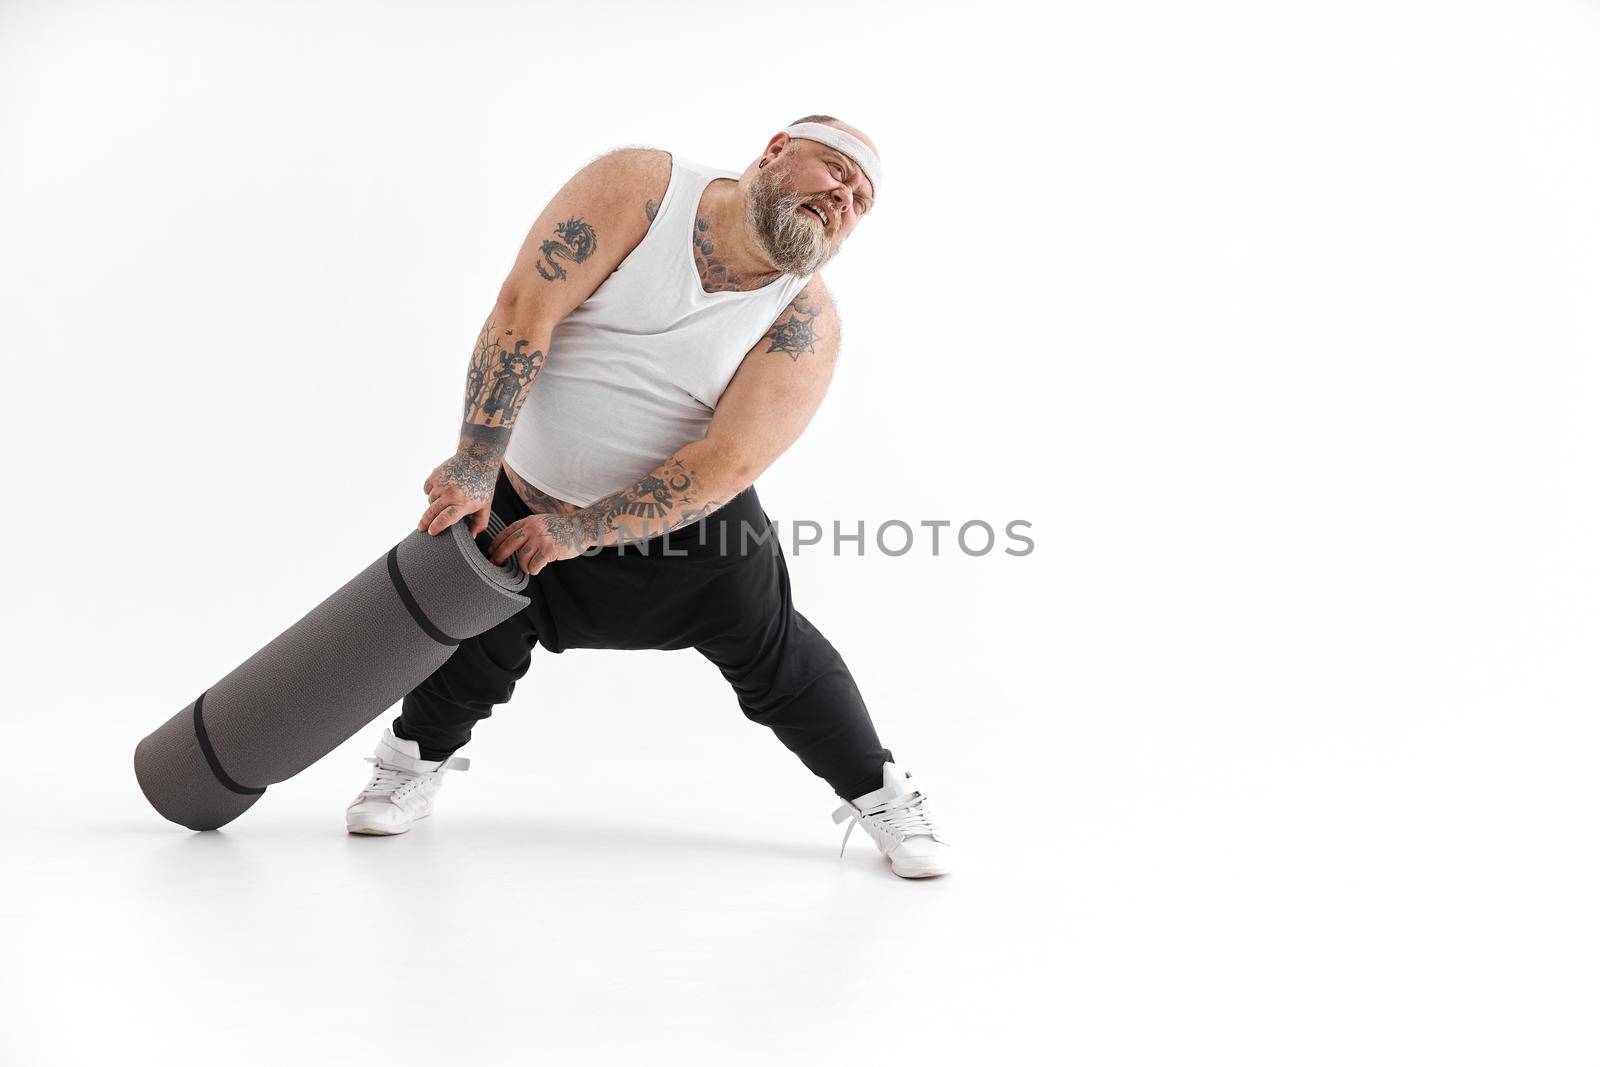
pixel 537 540
pixel 458 488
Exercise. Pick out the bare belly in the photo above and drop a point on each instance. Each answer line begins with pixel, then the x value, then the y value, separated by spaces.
pixel 538 501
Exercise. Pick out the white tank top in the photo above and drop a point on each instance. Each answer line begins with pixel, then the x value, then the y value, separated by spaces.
pixel 634 372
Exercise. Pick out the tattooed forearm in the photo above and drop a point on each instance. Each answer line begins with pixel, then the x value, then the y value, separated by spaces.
pixel 575 242
pixel 483 444
pixel 504 365
pixel 792 334
pixel 668 497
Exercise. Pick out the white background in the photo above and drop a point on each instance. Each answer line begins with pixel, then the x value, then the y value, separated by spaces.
pixel 1276 320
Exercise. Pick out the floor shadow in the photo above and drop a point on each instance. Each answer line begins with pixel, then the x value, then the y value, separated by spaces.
pixel 476 832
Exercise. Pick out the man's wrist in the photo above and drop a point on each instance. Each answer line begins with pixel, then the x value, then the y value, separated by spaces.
pixel 483 444
pixel 476 463
pixel 576 530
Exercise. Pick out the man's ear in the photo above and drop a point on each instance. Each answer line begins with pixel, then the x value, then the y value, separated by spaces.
pixel 787 141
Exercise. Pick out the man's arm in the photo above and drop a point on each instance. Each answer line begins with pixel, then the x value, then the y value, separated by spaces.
pixel 763 411
pixel 587 229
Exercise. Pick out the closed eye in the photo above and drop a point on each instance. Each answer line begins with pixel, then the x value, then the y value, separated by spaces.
pixel 863 204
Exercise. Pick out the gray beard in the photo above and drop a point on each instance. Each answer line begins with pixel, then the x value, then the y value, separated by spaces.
pixel 772 213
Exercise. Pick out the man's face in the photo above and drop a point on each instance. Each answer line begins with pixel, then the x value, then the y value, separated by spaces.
pixel 804 203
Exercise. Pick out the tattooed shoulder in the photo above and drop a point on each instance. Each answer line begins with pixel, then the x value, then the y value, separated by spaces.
pixel 797 331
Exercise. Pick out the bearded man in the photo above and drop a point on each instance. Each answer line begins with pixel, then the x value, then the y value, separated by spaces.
pixel 662 338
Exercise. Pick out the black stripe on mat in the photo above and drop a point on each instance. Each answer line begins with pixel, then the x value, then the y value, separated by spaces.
pixel 211 754
pixel 417 614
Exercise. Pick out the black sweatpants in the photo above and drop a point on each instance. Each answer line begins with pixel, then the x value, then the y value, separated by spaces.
pixel 719 586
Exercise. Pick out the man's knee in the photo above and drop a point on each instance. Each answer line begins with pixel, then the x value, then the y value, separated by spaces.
pixel 483 671
pixel 787 662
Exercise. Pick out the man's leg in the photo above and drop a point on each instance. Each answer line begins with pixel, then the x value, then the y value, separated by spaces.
pixel 441 711
pixel 790 678
pixel 436 719
pixel 438 715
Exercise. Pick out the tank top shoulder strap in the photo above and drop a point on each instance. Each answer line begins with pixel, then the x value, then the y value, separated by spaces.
pixel 689 180
pixel 666 243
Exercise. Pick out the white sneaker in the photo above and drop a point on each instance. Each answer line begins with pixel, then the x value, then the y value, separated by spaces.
pixel 901 825
pixel 402 788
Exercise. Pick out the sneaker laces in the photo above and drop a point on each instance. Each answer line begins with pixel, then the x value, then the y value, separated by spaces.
pixel 904 816
pixel 388 782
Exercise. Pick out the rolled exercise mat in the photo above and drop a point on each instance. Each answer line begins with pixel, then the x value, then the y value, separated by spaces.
pixel 325 677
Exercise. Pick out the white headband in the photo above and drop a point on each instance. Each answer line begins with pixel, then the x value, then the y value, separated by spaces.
pixel 849 144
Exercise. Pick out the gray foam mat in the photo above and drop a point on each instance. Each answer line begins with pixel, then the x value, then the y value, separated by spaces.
pixel 314 685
